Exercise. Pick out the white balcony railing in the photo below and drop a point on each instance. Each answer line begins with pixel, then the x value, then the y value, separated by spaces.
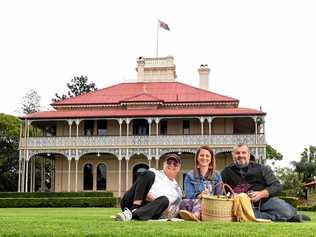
pixel 174 140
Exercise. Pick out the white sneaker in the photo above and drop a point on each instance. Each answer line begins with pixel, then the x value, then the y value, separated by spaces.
pixel 126 215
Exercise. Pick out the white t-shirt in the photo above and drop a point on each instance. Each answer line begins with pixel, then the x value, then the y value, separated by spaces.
pixel 163 186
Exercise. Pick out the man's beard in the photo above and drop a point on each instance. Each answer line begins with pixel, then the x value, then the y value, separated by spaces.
pixel 241 165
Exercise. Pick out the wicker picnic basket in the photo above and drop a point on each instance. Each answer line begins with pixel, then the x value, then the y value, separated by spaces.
pixel 218 208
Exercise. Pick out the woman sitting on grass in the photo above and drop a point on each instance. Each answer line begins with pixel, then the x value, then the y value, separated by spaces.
pixel 203 179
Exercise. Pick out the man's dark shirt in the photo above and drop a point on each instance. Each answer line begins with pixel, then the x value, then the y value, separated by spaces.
pixel 254 177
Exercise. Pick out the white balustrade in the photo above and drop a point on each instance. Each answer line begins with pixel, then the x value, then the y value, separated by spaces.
pixel 177 140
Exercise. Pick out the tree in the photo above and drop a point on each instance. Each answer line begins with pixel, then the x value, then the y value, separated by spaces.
pixel 306 167
pixel 273 154
pixel 31 102
pixel 77 86
pixel 292 183
pixel 9 155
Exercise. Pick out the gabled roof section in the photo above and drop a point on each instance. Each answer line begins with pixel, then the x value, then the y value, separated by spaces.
pixel 167 92
pixel 142 97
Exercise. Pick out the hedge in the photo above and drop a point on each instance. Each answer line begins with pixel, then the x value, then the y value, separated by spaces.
pixel 307 208
pixel 55 194
pixel 59 202
pixel 294 201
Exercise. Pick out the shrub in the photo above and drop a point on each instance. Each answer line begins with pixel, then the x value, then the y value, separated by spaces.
pixel 307 208
pixel 59 202
pixel 55 194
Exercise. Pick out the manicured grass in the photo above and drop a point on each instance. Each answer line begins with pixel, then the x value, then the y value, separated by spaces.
pixel 97 222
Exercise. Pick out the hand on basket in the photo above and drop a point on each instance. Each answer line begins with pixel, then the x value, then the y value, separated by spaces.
pixel 205 192
pixel 256 196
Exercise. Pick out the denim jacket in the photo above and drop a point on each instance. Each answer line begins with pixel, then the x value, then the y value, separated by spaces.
pixel 194 186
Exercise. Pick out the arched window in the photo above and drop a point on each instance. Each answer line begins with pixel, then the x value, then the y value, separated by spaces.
pixel 101 177
pixel 138 169
pixel 88 177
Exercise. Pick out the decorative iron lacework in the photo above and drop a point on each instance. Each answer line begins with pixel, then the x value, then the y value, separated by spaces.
pixel 137 141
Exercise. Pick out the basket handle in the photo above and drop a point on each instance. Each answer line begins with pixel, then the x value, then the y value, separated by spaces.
pixel 229 188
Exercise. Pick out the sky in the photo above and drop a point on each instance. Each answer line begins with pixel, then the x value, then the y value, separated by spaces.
pixel 260 52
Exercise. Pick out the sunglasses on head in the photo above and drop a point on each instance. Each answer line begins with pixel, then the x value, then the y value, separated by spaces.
pixel 172 162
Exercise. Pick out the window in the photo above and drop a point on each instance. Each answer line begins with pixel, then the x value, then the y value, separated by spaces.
pixel 138 169
pixel 186 127
pixel 88 127
pixel 102 126
pixel 163 127
pixel 88 177
pixel 101 177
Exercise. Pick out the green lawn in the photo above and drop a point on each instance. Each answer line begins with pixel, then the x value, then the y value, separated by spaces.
pixel 97 222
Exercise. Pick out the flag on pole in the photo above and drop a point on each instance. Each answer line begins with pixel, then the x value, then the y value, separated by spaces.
pixel 163 25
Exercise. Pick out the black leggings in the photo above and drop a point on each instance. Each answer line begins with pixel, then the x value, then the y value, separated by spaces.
pixel 139 191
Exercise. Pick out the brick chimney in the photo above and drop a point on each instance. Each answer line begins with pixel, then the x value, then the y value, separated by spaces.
pixel 204 73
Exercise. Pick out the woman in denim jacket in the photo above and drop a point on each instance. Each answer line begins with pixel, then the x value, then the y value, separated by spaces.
pixel 203 179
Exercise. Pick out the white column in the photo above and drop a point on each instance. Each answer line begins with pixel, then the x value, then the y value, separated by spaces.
pixel 149 126
pixel 202 125
pixel 157 159
pixel 77 127
pixel 70 124
pixel 157 126
pixel 34 174
pixel 120 124
pixel 23 173
pixel 26 175
pixel 19 171
pixel 127 127
pixel 149 162
pixel 149 157
pixel 120 176
pixel 120 121
pixel 42 177
pixel 76 179
pixel 31 175
pixel 20 154
pixel 209 119
pixel 28 128
pixel 69 166
pixel 94 172
pixel 127 161
pixel 24 156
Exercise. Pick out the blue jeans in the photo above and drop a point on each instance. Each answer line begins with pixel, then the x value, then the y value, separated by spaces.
pixel 274 209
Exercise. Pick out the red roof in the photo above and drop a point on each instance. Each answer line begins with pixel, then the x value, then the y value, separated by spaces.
pixel 143 112
pixel 167 92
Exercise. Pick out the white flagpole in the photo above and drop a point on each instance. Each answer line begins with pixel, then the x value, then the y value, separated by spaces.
pixel 157 39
